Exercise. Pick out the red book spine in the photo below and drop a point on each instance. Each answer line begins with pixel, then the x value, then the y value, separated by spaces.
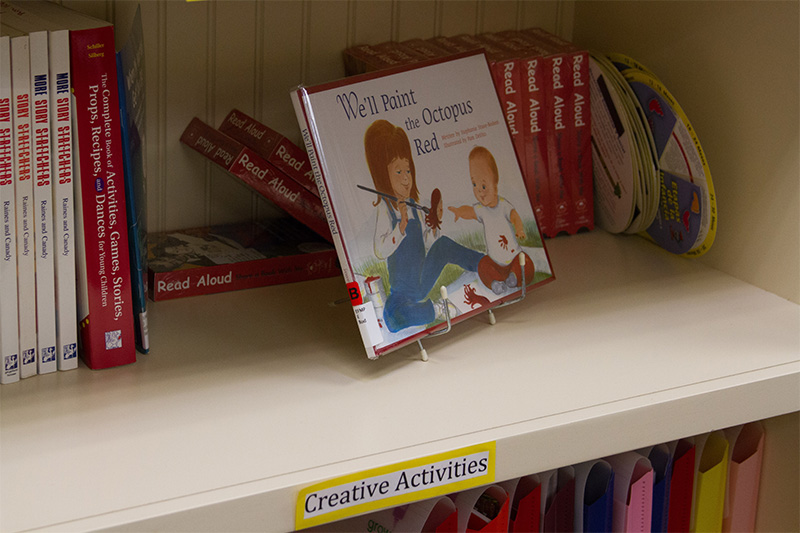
pixel 244 275
pixel 106 314
pixel 508 81
pixel 279 151
pixel 583 190
pixel 536 143
pixel 557 97
pixel 578 163
pixel 257 173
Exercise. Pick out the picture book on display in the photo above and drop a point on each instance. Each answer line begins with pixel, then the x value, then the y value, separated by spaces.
pixel 422 189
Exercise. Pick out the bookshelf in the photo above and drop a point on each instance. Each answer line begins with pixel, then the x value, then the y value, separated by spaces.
pixel 248 397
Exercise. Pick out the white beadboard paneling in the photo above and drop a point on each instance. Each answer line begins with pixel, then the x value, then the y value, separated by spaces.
pixel 542 14
pixel 498 15
pixel 284 45
pixel 326 35
pixel 187 95
pixel 458 16
pixel 102 9
pixel 416 19
pixel 371 22
pixel 234 73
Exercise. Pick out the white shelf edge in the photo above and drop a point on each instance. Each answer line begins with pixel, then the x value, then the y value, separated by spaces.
pixel 717 404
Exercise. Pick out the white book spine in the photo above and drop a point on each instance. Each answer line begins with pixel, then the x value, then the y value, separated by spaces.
pixel 63 201
pixel 23 182
pixel 43 199
pixel 9 322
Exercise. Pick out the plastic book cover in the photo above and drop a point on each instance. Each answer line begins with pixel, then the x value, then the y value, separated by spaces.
pixel 132 107
pixel 423 190
pixel 230 257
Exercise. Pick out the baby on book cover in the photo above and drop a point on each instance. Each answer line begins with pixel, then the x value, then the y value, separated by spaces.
pixel 426 191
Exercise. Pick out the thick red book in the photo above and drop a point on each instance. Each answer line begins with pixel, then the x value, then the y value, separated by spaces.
pixel 104 287
pixel 579 177
pixel 558 133
pixel 232 257
pixel 279 151
pixel 256 172
pixel 534 142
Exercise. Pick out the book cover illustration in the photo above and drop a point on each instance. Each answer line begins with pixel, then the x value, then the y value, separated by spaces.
pixel 422 189
pixel 229 257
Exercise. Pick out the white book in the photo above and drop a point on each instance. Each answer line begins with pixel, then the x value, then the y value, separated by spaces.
pixel 43 202
pixel 9 322
pixel 61 111
pixel 23 182
pixel 62 165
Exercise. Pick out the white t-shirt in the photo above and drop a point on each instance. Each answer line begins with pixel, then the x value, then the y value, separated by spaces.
pixel 501 240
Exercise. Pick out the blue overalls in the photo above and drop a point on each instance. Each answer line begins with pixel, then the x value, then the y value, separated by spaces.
pixel 412 273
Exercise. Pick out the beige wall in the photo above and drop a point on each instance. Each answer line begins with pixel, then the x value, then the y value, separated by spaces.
pixel 733 67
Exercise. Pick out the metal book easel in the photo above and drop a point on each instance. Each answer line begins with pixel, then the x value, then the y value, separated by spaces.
pixel 445 301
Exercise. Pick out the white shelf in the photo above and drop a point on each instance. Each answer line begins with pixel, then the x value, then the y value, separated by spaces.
pixel 247 397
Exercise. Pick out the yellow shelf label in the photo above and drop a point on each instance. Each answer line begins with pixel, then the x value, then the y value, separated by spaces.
pixel 392 485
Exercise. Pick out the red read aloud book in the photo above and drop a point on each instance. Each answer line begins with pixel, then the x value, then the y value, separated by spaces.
pixel 230 257
pixel 256 172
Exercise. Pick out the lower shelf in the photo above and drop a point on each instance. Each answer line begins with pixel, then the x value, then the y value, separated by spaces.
pixel 248 397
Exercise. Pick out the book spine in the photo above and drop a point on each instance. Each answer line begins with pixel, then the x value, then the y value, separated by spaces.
pixel 106 315
pixel 9 321
pixel 44 237
pixel 244 275
pixel 557 94
pixel 279 151
pixel 257 173
pixel 536 143
pixel 583 191
pixel 347 272
pixel 507 79
pixel 132 150
pixel 63 201
pixel 23 192
pixel 577 142
pixel 285 193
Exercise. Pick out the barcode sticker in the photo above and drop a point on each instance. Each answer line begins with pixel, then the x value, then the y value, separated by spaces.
pixel 368 323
